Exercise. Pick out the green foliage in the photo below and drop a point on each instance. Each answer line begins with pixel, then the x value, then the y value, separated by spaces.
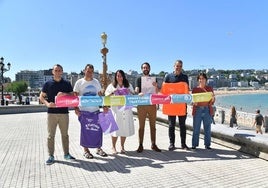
pixel 162 74
pixel 17 87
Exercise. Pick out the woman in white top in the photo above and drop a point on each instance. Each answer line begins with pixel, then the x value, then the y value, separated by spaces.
pixel 123 115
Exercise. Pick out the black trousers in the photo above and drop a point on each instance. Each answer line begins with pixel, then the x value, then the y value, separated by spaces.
pixel 171 129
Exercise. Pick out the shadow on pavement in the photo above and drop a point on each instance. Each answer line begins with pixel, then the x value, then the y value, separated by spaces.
pixel 119 163
pixel 123 163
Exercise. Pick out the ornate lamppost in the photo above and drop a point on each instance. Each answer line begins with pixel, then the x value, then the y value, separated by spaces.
pixel 3 70
pixel 104 51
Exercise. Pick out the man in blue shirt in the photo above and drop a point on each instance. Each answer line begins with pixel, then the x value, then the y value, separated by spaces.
pixel 174 77
pixel 56 116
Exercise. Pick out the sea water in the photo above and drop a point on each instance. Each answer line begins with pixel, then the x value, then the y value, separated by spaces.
pixel 244 102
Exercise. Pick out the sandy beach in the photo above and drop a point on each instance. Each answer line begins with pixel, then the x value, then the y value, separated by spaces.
pixel 243 118
pixel 239 91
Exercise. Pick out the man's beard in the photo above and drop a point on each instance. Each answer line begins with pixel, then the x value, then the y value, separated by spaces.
pixel 146 72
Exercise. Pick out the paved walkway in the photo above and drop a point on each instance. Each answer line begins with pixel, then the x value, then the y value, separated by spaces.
pixel 23 153
pixel 240 138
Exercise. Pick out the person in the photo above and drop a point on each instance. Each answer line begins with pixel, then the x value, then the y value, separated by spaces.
pixel 202 112
pixel 259 121
pixel 123 115
pixel 233 119
pixel 266 123
pixel 214 112
pixel 91 133
pixel 177 76
pixel 146 110
pixel 56 116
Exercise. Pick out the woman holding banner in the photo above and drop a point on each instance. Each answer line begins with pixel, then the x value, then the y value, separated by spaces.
pixel 202 112
pixel 123 114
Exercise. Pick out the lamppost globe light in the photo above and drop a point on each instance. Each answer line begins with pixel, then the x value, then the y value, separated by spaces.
pixel 104 38
pixel 3 70
pixel 8 66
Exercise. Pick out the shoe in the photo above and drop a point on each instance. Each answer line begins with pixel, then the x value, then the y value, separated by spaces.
pixel 88 155
pixel 50 160
pixel 193 147
pixel 123 151
pixel 155 148
pixel 171 147
pixel 68 157
pixel 207 147
pixel 101 153
pixel 185 147
pixel 140 149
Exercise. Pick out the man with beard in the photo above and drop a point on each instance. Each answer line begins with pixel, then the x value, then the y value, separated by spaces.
pixel 146 110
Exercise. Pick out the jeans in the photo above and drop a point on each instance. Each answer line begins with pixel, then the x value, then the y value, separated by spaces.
pixel 201 114
pixel 171 129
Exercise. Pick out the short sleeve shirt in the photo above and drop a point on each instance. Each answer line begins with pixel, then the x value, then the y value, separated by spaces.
pixel 259 119
pixel 51 88
pixel 88 88
pixel 173 78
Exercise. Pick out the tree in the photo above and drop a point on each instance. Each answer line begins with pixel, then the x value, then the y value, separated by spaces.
pixel 17 87
pixel 162 74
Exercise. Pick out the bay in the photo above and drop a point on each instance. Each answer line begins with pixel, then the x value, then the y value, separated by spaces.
pixel 244 102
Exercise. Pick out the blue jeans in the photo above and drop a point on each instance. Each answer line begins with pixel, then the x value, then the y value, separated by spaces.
pixel 201 114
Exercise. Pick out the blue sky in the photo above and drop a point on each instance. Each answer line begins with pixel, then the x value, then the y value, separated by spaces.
pixel 220 34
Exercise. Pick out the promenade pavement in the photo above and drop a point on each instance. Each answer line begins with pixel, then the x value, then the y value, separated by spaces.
pixel 23 153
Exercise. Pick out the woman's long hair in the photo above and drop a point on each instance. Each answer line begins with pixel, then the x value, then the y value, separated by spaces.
pixel 125 81
pixel 233 111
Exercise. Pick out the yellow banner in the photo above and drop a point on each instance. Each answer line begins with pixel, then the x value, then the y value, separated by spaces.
pixel 202 97
pixel 118 100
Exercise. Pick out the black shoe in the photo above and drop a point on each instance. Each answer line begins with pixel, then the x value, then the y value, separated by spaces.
pixel 193 147
pixel 207 147
pixel 140 149
pixel 171 147
pixel 185 147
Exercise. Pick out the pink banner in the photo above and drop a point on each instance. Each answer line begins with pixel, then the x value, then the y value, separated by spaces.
pixel 67 101
pixel 160 99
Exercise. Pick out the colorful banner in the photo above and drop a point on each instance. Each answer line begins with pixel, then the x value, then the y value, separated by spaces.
pixel 179 92
pixel 182 98
pixel 117 100
pixel 130 100
pixel 160 99
pixel 67 101
pixel 87 101
pixel 202 97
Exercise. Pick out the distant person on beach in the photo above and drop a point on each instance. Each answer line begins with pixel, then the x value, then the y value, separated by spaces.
pixel 145 111
pixel 56 116
pixel 266 123
pixel 233 117
pixel 202 112
pixel 259 121
pixel 213 114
